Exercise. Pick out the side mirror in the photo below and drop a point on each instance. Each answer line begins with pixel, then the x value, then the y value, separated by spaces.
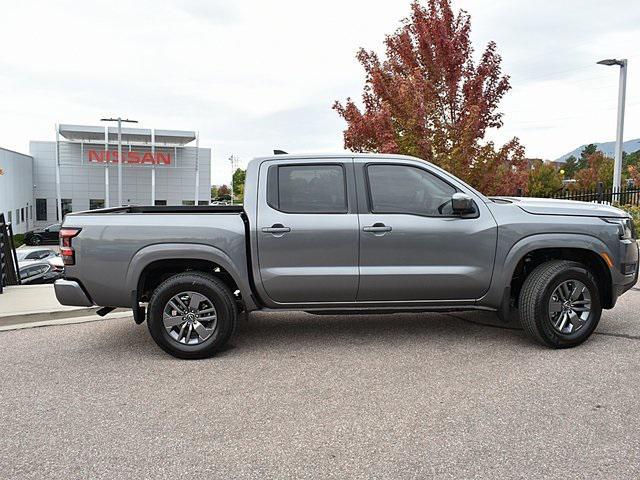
pixel 462 204
pixel 46 230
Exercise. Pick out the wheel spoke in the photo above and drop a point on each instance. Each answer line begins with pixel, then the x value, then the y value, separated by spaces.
pixel 207 310
pixel 180 303
pixel 171 321
pixel 564 291
pixel 563 321
pixel 181 333
pixel 575 320
pixel 188 336
pixel 207 318
pixel 202 331
pixel 175 305
pixel 577 291
pixel 196 300
pixel 555 307
pixel 581 309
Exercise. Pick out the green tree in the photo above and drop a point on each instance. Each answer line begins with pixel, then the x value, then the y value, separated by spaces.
pixel 214 192
pixel 570 167
pixel 544 179
pixel 587 151
pixel 238 184
pixel 630 159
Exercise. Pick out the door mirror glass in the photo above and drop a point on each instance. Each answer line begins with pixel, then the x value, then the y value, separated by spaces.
pixel 462 204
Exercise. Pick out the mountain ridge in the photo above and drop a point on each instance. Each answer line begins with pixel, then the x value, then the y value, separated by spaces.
pixel 608 148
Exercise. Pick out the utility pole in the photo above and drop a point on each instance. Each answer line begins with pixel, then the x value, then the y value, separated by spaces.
pixel 58 192
pixel 119 120
pixel 107 202
pixel 195 198
pixel 233 160
pixel 622 87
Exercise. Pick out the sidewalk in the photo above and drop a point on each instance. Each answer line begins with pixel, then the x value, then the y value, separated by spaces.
pixel 37 305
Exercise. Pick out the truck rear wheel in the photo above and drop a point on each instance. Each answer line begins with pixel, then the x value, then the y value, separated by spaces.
pixel 560 304
pixel 191 315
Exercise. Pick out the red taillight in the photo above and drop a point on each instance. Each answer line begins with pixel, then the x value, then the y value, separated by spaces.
pixel 66 251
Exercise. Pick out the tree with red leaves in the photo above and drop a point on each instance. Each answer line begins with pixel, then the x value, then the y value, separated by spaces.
pixel 599 169
pixel 429 99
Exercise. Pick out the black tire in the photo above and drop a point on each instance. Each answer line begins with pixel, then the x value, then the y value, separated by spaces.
pixel 35 240
pixel 215 291
pixel 536 294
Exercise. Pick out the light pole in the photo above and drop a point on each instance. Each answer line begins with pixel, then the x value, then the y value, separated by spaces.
pixel 119 120
pixel 622 87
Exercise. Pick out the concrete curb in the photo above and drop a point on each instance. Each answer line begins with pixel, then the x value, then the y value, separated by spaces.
pixel 65 321
pixel 49 316
pixel 44 315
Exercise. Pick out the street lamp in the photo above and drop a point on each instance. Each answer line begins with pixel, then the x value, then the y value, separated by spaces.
pixel 617 167
pixel 119 120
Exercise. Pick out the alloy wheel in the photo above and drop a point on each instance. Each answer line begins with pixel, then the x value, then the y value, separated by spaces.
pixel 189 318
pixel 570 306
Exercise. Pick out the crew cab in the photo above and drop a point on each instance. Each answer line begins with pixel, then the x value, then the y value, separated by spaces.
pixel 350 233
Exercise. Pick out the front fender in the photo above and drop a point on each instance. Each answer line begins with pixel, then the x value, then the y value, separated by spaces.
pixel 237 268
pixel 506 263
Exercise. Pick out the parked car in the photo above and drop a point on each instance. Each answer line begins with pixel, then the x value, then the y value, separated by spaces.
pixel 39 271
pixel 27 254
pixel 41 236
pixel 56 262
pixel 350 233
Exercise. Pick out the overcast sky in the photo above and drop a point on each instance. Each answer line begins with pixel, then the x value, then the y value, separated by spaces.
pixel 252 76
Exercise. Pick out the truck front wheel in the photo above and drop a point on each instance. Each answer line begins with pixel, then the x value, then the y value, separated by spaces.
pixel 560 304
pixel 191 315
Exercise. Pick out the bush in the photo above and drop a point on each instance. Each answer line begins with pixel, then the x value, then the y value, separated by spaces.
pixel 18 239
pixel 634 210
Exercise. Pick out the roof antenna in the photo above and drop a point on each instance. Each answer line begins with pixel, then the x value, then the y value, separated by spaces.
pixel 279 152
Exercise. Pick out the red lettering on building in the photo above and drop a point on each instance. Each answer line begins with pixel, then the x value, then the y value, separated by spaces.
pixel 131 157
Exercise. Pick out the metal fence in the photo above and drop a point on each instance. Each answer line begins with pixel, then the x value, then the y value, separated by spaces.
pixel 620 196
pixel 9 273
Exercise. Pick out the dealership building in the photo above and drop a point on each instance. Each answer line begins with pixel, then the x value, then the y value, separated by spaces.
pixel 79 171
pixel 16 190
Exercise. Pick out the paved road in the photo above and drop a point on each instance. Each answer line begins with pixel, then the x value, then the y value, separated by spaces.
pixel 301 396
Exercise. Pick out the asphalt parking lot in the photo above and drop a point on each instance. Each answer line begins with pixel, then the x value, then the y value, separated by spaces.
pixel 302 396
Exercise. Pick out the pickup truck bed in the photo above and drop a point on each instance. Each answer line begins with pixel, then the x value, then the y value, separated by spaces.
pixel 121 246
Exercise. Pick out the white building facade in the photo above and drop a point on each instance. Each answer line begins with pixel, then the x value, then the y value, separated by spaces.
pixel 79 171
pixel 16 190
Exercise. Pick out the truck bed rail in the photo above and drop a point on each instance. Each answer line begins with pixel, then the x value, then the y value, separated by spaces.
pixel 163 209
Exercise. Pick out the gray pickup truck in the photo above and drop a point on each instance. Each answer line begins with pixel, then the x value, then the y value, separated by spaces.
pixel 350 233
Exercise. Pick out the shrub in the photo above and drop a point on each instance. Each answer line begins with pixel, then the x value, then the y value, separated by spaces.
pixel 18 239
pixel 634 210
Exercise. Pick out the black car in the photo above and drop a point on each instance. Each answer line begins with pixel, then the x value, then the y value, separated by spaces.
pixel 40 236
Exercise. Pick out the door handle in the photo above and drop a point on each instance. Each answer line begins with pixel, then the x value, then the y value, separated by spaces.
pixel 276 228
pixel 377 228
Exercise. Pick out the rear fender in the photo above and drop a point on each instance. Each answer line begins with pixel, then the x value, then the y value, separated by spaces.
pixel 189 251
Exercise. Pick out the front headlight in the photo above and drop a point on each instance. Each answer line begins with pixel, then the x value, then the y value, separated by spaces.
pixel 626 228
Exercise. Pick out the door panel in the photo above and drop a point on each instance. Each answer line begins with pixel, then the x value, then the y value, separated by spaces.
pixel 307 256
pixel 412 246
pixel 425 258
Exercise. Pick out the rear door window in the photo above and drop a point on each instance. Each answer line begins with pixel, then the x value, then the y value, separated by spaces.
pixel 307 188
